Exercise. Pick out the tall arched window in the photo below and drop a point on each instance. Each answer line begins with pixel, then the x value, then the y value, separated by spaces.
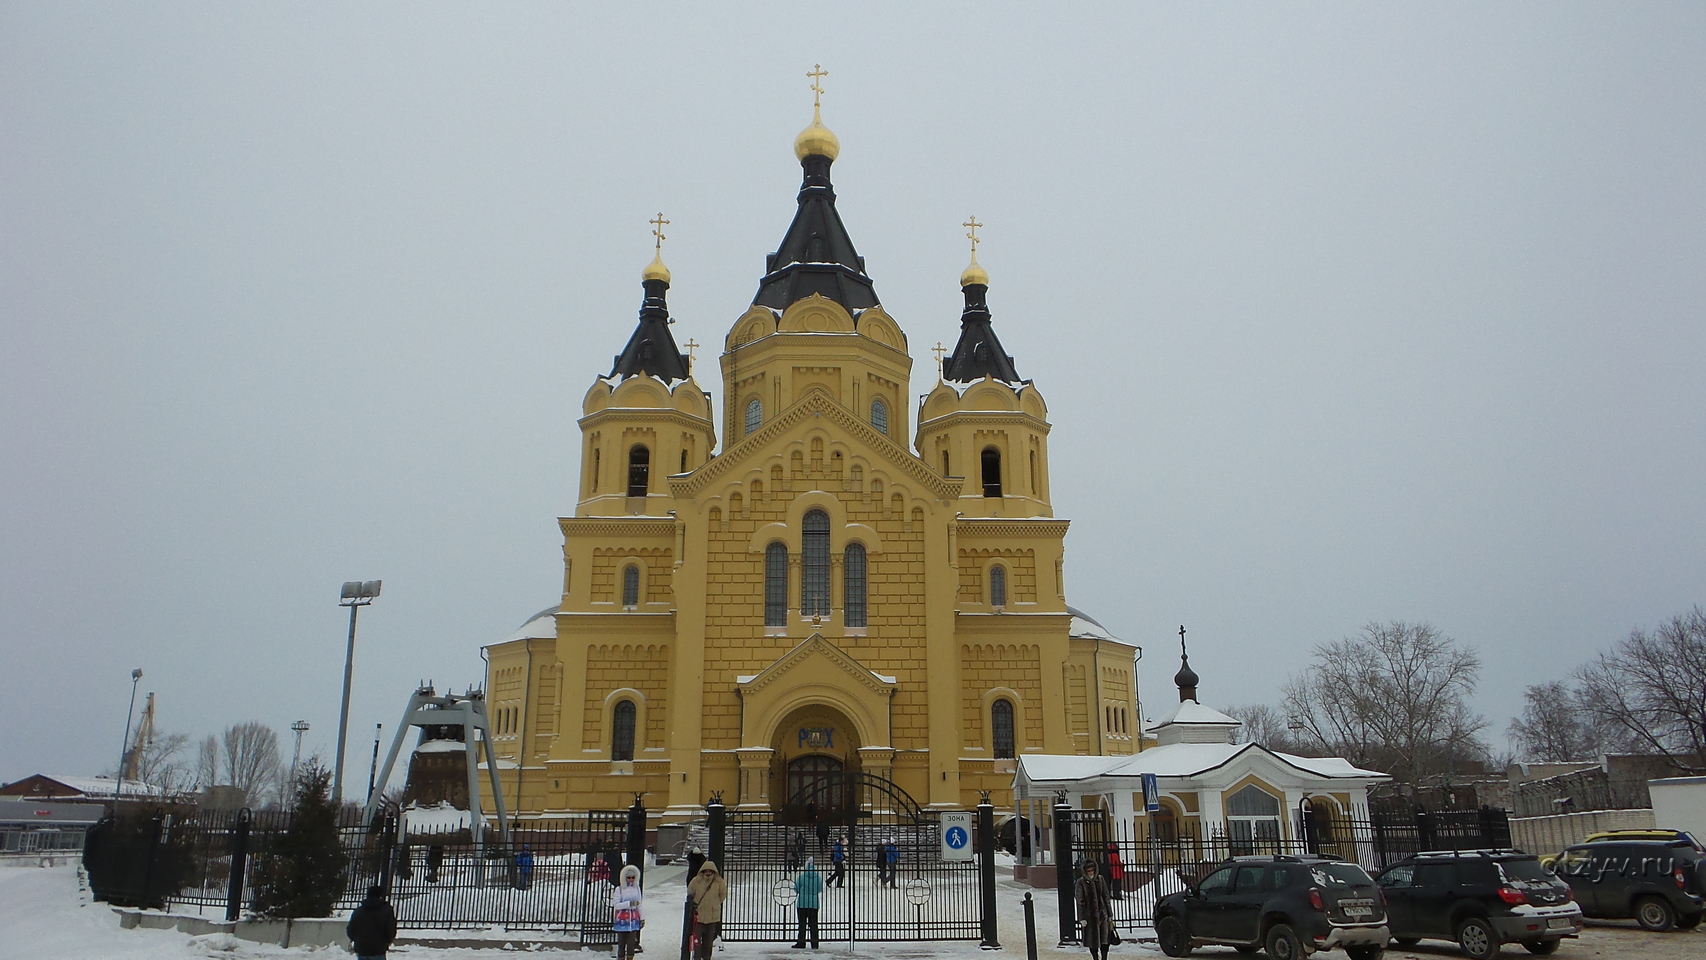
pixel 1001 728
pixel 998 586
pixel 1033 473
pixel 945 471
pixel 853 587
pixel 683 462
pixel 595 464
pixel 630 586
pixel 814 559
pixel 622 731
pixel 754 414
pixel 776 585
pixel 639 470
pixel 991 472
pixel 880 415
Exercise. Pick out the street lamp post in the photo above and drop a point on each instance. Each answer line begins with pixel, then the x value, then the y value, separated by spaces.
pixel 299 728
pixel 124 745
pixel 356 594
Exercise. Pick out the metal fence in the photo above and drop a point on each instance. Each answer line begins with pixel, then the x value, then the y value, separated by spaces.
pixel 555 876
pixel 1149 866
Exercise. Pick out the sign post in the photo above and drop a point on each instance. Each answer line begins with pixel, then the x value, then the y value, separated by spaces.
pixel 956 835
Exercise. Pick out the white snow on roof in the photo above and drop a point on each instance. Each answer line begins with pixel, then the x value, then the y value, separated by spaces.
pixel 103 786
pixel 439 818
pixel 1178 760
pixel 1190 711
pixel 1087 627
pixel 442 746
pixel 540 626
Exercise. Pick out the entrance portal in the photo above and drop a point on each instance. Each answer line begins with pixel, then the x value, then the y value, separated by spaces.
pixel 814 744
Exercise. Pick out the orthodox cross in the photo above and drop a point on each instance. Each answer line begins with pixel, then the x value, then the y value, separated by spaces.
pixel 1181 640
pixel 691 345
pixel 658 223
pixel 817 73
pixel 938 350
pixel 972 235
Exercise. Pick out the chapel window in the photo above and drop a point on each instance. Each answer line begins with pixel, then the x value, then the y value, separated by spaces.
pixel 630 586
pixel 622 731
pixel 754 414
pixel 1001 728
pixel 1252 821
pixel 639 470
pixel 853 570
pixel 814 557
pixel 998 586
pixel 776 585
pixel 991 472
pixel 880 415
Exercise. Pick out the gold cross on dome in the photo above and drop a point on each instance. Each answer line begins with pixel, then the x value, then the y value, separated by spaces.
pixel 691 345
pixel 938 350
pixel 658 223
pixel 972 233
pixel 817 73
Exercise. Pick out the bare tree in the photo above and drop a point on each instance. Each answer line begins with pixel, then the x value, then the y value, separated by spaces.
pixel 1559 724
pixel 251 759
pixel 207 763
pixel 1267 725
pixel 1653 686
pixel 160 762
pixel 1394 698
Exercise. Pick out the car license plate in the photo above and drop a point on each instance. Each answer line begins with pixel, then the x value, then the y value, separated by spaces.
pixel 1357 909
pixel 1557 922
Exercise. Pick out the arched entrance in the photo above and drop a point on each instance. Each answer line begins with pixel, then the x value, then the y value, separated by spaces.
pixel 814 744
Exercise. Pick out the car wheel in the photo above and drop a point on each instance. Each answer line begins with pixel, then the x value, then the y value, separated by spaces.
pixel 1283 943
pixel 1478 939
pixel 1366 951
pixel 1689 922
pixel 1541 947
pixel 1174 939
pixel 1654 913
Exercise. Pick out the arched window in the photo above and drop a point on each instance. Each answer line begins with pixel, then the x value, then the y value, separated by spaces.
pixel 595 462
pixel 998 586
pixel 639 470
pixel 683 462
pixel 622 731
pixel 1252 821
pixel 814 558
pixel 1033 473
pixel 630 586
pixel 945 471
pixel 776 585
pixel 754 414
pixel 991 472
pixel 880 415
pixel 1001 728
pixel 853 587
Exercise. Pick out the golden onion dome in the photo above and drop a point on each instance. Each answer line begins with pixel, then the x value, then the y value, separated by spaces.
pixel 656 270
pixel 974 273
pixel 817 140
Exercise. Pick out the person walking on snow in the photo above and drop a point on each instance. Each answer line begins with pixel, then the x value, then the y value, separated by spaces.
pixel 891 861
pixel 372 926
pixel 707 892
pixel 1091 893
pixel 625 900
pixel 838 857
pixel 524 868
pixel 807 886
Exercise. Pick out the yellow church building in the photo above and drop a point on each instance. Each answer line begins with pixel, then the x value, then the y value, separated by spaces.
pixel 835 588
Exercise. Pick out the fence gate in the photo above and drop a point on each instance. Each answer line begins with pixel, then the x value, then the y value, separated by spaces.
pixel 919 897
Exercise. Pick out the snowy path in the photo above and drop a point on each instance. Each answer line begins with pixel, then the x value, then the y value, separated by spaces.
pixel 45 916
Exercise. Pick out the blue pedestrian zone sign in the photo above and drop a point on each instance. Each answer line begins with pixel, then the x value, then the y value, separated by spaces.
pixel 1151 793
pixel 956 836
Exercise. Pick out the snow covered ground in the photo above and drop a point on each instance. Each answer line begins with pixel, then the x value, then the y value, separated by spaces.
pixel 46 914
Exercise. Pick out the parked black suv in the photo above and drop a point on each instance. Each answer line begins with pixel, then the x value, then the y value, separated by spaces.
pixel 1479 898
pixel 1661 884
pixel 1289 905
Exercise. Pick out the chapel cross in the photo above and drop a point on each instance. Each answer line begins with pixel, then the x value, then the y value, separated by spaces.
pixel 658 223
pixel 1181 640
pixel 972 235
pixel 817 73
pixel 938 350
pixel 691 345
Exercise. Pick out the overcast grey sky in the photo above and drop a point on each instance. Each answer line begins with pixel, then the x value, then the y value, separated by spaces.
pixel 1343 312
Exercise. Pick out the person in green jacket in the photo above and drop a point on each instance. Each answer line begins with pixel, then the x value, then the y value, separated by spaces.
pixel 807 886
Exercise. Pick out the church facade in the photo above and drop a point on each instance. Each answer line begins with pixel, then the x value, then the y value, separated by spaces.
pixel 838 587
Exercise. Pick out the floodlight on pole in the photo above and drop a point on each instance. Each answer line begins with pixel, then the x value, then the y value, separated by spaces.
pixel 299 728
pixel 355 594
pixel 124 745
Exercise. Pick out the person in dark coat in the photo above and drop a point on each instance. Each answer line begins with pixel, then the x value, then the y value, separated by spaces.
pixel 372 926
pixel 1094 910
